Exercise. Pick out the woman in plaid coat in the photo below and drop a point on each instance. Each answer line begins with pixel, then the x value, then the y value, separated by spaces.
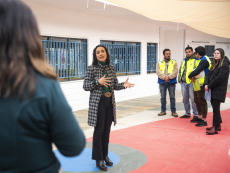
pixel 101 81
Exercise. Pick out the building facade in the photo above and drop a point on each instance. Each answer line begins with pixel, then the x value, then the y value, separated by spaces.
pixel 70 31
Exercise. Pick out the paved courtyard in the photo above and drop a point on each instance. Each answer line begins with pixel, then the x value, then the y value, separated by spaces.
pixel 129 107
pixel 144 142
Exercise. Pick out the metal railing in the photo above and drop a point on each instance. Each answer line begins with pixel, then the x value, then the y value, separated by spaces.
pixel 125 58
pixel 151 58
pixel 68 58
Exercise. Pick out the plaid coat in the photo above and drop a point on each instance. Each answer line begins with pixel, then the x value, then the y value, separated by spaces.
pixel 91 84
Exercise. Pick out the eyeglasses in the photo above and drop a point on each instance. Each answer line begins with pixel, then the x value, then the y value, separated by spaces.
pixel 216 53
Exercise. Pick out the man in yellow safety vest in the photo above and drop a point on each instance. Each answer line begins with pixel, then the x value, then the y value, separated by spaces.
pixel 167 70
pixel 187 66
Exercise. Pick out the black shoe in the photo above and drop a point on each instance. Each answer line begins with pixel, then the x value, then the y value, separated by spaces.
pixel 202 123
pixel 212 131
pixel 108 162
pixel 218 128
pixel 185 116
pixel 101 165
pixel 195 120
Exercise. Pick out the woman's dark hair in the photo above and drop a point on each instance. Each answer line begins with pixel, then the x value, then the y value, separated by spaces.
pixel 188 47
pixel 95 61
pixel 21 54
pixel 200 50
pixel 166 50
pixel 221 60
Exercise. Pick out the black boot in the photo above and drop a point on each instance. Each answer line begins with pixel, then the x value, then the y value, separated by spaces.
pixel 108 162
pixel 101 165
pixel 212 131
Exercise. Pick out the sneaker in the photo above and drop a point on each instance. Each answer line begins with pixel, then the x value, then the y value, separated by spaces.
pixel 162 113
pixel 202 123
pixel 195 119
pixel 185 116
pixel 174 114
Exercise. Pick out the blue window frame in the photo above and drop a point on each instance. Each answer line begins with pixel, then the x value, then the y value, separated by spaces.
pixel 68 57
pixel 124 56
pixel 151 57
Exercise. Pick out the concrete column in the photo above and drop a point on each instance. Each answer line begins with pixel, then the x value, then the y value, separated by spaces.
pixel 92 43
pixel 143 58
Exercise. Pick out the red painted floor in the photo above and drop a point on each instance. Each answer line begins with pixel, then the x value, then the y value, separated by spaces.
pixel 178 146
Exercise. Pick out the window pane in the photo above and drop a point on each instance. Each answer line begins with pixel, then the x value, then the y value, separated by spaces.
pixel 209 50
pixel 68 57
pixel 125 57
pixel 151 57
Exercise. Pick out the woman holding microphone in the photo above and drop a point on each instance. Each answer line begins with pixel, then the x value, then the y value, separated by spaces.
pixel 217 81
pixel 101 81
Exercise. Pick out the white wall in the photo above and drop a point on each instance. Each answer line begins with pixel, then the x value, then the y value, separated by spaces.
pixel 173 40
pixel 227 50
pixel 79 99
pixel 162 44
pixel 197 36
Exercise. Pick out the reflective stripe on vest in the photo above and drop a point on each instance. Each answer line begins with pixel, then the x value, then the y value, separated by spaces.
pixel 210 65
pixel 190 66
pixel 170 66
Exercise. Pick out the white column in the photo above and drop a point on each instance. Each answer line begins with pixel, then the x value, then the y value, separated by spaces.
pixel 92 43
pixel 143 58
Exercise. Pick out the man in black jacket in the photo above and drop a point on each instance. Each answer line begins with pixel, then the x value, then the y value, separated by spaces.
pixel 203 64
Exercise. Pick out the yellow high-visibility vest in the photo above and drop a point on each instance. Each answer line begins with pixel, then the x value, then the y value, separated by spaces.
pixel 171 64
pixel 190 66
pixel 201 81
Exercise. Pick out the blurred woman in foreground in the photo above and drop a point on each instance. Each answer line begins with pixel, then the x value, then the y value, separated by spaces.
pixel 33 110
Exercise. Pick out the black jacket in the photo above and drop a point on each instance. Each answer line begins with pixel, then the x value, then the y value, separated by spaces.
pixel 217 81
pixel 202 66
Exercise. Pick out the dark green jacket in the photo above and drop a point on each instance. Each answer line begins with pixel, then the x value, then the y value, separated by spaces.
pixel 28 128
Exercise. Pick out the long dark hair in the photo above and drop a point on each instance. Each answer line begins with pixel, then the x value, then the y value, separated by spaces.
pixel 95 61
pixel 21 54
pixel 221 60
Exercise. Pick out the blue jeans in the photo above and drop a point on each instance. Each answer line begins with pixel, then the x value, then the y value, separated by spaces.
pixel 188 92
pixel 171 88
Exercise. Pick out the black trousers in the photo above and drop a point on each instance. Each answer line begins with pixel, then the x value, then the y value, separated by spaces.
pixel 102 129
pixel 216 112
pixel 201 103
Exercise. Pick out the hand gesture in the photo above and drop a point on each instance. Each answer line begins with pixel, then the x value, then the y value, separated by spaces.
pixel 166 79
pixel 206 87
pixel 127 84
pixel 192 79
pixel 104 81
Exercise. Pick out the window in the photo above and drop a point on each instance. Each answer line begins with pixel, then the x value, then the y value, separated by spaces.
pixel 68 57
pixel 151 57
pixel 210 51
pixel 125 56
